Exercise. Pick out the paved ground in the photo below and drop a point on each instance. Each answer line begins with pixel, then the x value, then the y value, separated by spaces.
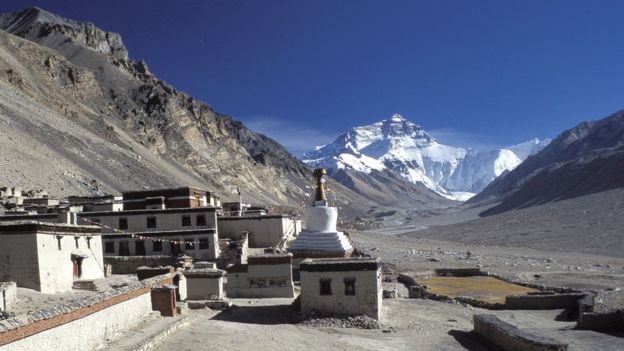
pixel 410 324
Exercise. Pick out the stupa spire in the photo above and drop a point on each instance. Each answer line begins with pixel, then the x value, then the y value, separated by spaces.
pixel 320 198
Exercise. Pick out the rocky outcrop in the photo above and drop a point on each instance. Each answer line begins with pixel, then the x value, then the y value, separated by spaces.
pixel 37 24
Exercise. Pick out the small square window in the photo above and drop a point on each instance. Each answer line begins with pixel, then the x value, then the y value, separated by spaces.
pixel 200 220
pixel 204 244
pixel 123 223
pixel 151 222
pixel 186 221
pixel 349 286
pixel 325 286
pixel 109 247
pixel 189 244
pixel 157 246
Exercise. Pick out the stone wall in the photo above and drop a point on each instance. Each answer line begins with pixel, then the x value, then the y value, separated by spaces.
pixel 544 301
pixel 129 264
pixel 233 251
pixel 149 272
pixel 607 321
pixel 509 338
pixel 8 295
pixel 83 323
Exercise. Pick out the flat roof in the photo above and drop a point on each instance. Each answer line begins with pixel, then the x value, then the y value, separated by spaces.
pixel 180 232
pixel 243 217
pixel 144 211
pixel 339 264
pixel 269 259
pixel 32 227
pixel 25 216
pixel 203 273
pixel 163 190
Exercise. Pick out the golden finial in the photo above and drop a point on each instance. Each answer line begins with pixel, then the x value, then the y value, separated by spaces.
pixel 320 186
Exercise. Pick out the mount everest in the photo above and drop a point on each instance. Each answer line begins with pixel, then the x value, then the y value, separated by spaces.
pixel 404 148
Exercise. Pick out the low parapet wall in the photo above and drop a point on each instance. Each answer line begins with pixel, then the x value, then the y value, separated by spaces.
pixel 544 301
pixel 458 272
pixel 510 338
pixel 8 295
pixel 129 264
pixel 83 323
pixel 607 321
pixel 149 272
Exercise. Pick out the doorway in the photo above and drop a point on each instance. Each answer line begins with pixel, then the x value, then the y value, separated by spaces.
pixel 76 266
pixel 139 248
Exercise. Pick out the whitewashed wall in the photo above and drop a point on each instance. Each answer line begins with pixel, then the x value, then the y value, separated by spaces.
pixel 55 266
pixel 264 231
pixel 238 283
pixel 86 333
pixel 367 299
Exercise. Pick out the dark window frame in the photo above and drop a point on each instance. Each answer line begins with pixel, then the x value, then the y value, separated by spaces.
pixel 349 287
pixel 200 221
pixel 186 221
pixel 139 248
pixel 151 223
pixel 204 244
pixel 123 223
pixel 325 287
pixel 157 246
pixel 107 247
pixel 124 248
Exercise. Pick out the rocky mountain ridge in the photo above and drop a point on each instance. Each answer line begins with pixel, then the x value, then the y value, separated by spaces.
pixel 78 117
pixel 583 160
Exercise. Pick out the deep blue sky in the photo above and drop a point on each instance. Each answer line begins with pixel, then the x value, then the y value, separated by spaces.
pixel 475 73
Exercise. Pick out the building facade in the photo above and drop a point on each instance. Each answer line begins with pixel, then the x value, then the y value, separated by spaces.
pixel 347 286
pixel 190 231
pixel 204 284
pixel 263 276
pixel 49 257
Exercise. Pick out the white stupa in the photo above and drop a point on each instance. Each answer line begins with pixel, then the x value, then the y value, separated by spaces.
pixel 320 238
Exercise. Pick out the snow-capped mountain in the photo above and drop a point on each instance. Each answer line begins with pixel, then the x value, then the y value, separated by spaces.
pixel 403 147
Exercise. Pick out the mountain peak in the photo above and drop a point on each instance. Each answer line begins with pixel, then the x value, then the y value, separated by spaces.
pixel 397 118
pixel 524 150
pixel 400 146
pixel 37 24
